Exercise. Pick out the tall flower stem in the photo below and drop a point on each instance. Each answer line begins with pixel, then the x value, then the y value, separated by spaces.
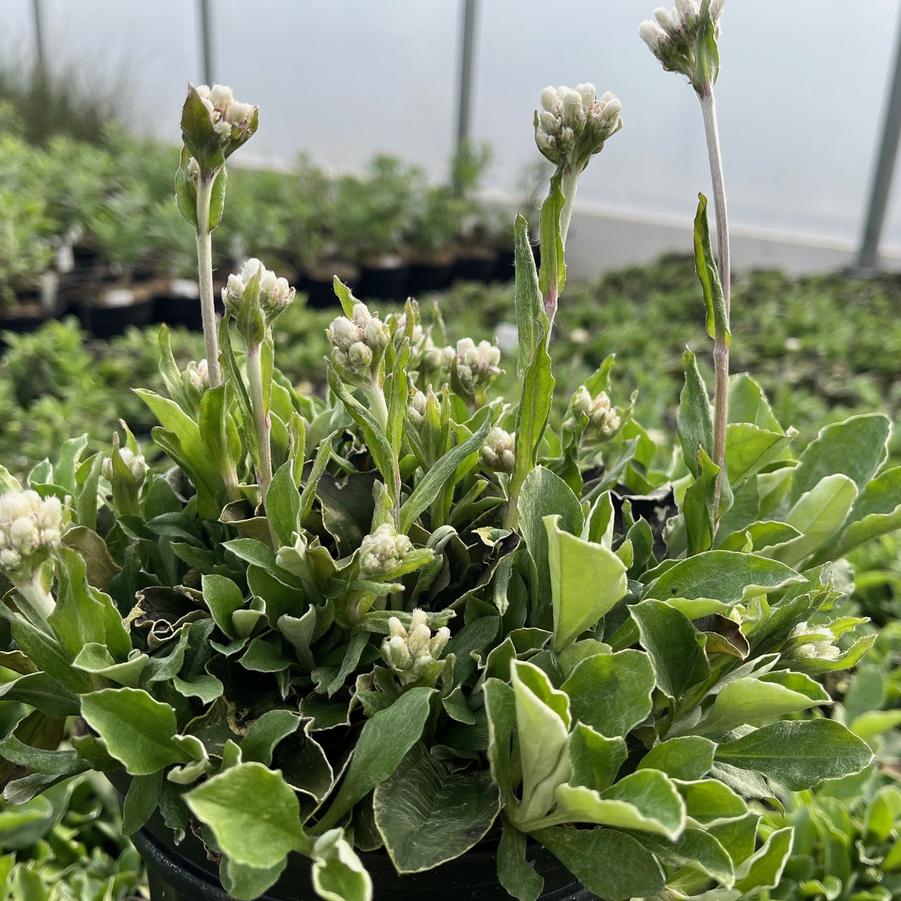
pixel 262 423
pixel 720 344
pixel 205 277
pixel 568 184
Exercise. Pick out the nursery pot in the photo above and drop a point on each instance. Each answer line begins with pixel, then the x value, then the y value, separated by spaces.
pixel 475 264
pixel 503 264
pixel 27 315
pixel 318 284
pixel 384 279
pixel 116 308
pixel 428 275
pixel 177 304
pixel 183 873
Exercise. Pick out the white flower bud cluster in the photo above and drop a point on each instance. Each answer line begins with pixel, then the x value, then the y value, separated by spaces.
pixel 574 123
pixel 412 652
pixel 275 293
pixel 818 648
pixel 416 407
pixel 358 340
pixel 197 375
pixel 28 524
pixel 498 451
pixel 435 358
pixel 476 364
pixel 135 463
pixel 599 411
pixel 383 550
pixel 671 34
pixel 225 112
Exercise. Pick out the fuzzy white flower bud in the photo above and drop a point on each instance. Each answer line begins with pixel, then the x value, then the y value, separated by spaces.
pixel 572 124
pixel 652 34
pixel 820 647
pixel 229 117
pixel 275 294
pixel 357 341
pixel 412 652
pixel 135 463
pixel 498 451
pixel 672 37
pixel 476 365
pixel 416 407
pixel 197 375
pixel 383 550
pixel 29 526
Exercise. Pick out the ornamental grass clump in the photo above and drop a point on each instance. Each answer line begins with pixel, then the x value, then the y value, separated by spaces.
pixel 413 620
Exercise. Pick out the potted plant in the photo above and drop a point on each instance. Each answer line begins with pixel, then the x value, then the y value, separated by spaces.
pixel 370 221
pixel 409 635
pixel 27 281
pixel 435 223
pixel 311 203
pixel 476 256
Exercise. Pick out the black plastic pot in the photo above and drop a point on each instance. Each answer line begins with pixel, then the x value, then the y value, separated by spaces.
pixel 319 291
pixel 430 275
pixel 108 321
pixel 184 873
pixel 475 264
pixel 383 281
pixel 27 319
pixel 504 265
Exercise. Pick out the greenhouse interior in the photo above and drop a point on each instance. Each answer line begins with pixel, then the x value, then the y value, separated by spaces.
pixel 449 450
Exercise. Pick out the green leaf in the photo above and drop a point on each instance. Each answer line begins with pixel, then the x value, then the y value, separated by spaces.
pixel 687 757
pixel 798 753
pixel 252 812
pixel 100 566
pixel 755 701
pixel 697 506
pixel 532 414
pixel 611 692
pixel 376 441
pixel 531 318
pixel 283 504
pixel 694 418
pixel 141 801
pixel 877 511
pixel 709 801
pixel 724 576
pixel 748 403
pixel 248 883
pixel 95 659
pixel 587 580
pixel 428 815
pixel 542 724
pixel 338 874
pixel 855 448
pixel 514 872
pixel 694 848
pixel 500 711
pixel 646 800
pixel 818 515
pixel 749 448
pixel 610 864
pixel 437 476
pixel 764 869
pixel 594 760
pixel 265 733
pixel 675 646
pixel 552 278
pixel 708 276
pixel 223 598
pixel 545 493
pixel 383 743
pixel 136 729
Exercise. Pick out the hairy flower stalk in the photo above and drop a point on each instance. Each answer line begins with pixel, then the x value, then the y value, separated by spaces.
pixel 684 39
pixel 214 125
pixel 572 125
pixel 255 297
pixel 205 278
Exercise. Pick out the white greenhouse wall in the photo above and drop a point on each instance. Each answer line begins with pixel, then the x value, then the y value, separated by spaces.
pixel 801 95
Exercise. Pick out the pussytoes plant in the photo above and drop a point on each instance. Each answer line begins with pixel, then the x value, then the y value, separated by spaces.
pixel 414 617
